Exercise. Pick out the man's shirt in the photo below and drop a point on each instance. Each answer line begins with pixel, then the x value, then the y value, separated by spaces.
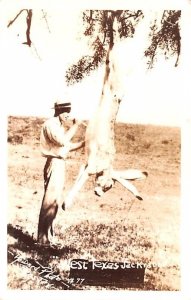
pixel 52 139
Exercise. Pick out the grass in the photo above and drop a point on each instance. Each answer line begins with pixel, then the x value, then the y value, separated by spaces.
pixel 116 227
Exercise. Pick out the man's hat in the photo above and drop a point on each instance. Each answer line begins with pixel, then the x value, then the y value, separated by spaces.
pixel 65 106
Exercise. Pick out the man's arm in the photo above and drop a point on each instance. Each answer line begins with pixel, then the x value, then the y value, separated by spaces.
pixel 70 147
pixel 58 135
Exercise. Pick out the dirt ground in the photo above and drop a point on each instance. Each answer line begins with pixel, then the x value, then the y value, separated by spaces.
pixel 115 228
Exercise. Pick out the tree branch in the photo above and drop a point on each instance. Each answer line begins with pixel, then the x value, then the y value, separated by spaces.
pixel 28 19
pixel 44 17
pixel 166 37
pixel 11 22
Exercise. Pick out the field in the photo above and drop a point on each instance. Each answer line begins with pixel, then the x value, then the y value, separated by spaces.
pixel 115 228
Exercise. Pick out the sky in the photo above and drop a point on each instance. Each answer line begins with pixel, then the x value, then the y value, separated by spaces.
pixel 34 78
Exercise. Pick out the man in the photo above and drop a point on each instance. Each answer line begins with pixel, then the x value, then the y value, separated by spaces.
pixel 55 144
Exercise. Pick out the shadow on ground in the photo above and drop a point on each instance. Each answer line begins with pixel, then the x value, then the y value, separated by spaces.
pixel 27 243
pixel 38 257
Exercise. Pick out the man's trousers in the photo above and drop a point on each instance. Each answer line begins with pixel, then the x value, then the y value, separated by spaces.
pixel 54 181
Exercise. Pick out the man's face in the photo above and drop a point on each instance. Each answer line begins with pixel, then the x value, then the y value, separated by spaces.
pixel 65 116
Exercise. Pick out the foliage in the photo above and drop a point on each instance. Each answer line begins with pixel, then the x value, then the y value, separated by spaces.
pixel 167 38
pixel 99 28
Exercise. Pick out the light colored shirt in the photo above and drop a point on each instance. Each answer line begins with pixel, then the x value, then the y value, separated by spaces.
pixel 52 139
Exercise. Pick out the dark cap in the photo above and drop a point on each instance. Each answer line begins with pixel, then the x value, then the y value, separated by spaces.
pixel 65 106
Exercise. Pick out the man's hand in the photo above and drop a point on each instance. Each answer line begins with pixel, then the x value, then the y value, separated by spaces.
pixel 78 122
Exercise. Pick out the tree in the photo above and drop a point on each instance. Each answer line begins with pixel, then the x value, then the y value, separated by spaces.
pixel 98 27
pixel 105 29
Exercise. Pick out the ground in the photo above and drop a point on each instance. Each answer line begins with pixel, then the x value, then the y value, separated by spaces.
pixel 115 228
